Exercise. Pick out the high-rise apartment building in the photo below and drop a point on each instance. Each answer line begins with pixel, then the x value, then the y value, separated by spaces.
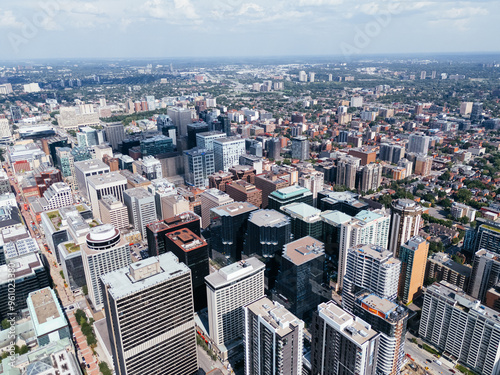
pixel 485 273
pixel 302 273
pixel 440 266
pixel 347 167
pixel 227 152
pixel 212 198
pixel 371 268
pixel 105 250
pixel 150 317
pixel 413 256
pixel 423 165
pixel 406 219
pixel 485 236
pixel 390 320
pixel 300 148
pixel 272 339
pixel 342 343
pixel 476 114
pixel 459 325
pixel 198 165
pixel 465 108
pixel 113 212
pixel 206 140
pixel 391 152
pixel 112 183
pixel 141 208
pixel 367 227
pixel 371 177
pixel 228 290
pixel 419 143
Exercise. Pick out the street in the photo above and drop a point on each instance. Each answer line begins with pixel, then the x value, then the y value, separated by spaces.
pixel 205 362
pixel 426 359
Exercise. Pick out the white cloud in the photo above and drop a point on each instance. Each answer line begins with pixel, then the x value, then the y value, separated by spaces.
pixel 9 20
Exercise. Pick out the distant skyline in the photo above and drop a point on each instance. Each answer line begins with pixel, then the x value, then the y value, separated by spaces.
pixel 196 28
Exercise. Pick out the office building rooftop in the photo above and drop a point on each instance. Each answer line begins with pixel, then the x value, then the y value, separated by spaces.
pixel 335 217
pixel 91 165
pixel 290 192
pixel 268 218
pixel 303 250
pixel 186 240
pixel 302 211
pixel 376 252
pixel 233 272
pixel 45 311
pixel 142 275
pixel 172 222
pixel 106 178
pixel 138 193
pixel 234 209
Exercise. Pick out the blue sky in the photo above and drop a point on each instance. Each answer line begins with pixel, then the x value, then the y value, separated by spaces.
pixel 198 28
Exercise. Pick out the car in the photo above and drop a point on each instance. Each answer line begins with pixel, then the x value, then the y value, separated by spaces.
pixel 451 370
pixel 88 366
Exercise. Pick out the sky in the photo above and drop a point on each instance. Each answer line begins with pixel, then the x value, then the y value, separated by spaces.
pixel 35 29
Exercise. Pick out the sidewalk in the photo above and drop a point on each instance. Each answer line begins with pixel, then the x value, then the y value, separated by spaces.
pixel 85 351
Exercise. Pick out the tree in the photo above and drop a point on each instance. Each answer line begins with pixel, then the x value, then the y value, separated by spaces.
pixel 445 176
pixel 386 200
pixel 5 324
pixel 104 368
pixel 463 195
pixel 446 203
pixel 85 290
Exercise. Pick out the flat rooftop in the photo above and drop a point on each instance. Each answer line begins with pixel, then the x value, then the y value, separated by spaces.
pixel 376 252
pixel 234 209
pixel 302 211
pixel 335 217
pixel 368 216
pixel 380 304
pixel 121 284
pixel 303 250
pixel 445 260
pixel 186 240
pixel 174 221
pixel 44 305
pixel 138 193
pixel 351 326
pixel 107 178
pixel 268 218
pixel 235 271
pixel 46 314
pixel 290 192
pixel 275 315
pixel 91 165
